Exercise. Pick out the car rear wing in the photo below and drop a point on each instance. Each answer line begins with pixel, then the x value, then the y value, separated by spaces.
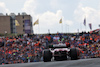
pixel 58 46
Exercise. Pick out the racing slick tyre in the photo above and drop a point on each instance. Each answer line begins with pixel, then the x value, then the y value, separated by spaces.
pixel 74 53
pixel 47 55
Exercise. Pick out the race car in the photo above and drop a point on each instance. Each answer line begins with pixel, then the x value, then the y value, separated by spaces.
pixel 60 52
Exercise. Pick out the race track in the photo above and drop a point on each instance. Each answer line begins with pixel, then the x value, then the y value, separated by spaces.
pixel 95 62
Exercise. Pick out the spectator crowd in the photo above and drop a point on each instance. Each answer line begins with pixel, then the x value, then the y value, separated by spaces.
pixel 28 48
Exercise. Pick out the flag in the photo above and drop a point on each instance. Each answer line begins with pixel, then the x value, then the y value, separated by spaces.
pixel 84 22
pixel 99 25
pixel 36 22
pixel 60 20
pixel 90 25
pixel 16 23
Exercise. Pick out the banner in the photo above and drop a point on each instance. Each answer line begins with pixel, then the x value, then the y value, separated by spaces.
pixel 27 26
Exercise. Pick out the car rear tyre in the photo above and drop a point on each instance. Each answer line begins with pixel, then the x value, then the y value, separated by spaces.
pixel 47 55
pixel 74 53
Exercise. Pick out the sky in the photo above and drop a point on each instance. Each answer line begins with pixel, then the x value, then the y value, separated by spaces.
pixel 49 13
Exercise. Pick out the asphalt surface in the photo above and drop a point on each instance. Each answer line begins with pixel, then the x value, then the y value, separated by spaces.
pixel 95 62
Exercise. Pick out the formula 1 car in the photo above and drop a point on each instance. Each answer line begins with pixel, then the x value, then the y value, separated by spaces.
pixel 60 52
